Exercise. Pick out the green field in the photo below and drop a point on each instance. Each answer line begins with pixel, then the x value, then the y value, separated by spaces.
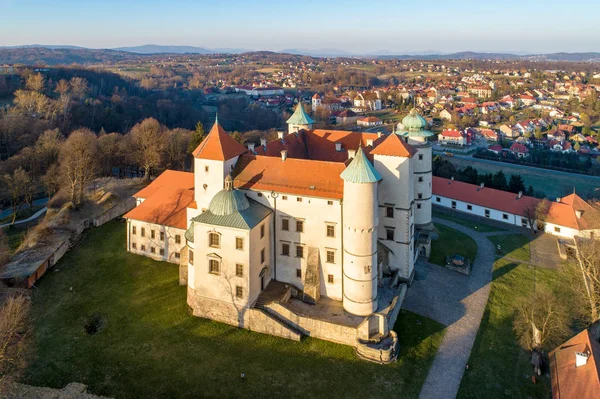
pixel 552 185
pixel 477 226
pixel 515 247
pixel 149 346
pixel 451 242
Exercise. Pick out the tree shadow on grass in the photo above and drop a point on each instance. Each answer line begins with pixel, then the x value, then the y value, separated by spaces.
pixel 501 271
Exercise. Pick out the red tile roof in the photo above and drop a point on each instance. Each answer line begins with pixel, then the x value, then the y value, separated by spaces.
pixel 564 213
pixel 452 133
pixel 570 381
pixel 293 176
pixel 393 145
pixel 218 145
pixel 167 200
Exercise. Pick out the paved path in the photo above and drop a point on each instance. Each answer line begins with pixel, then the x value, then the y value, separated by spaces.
pixel 38 202
pixel 457 301
pixel 29 219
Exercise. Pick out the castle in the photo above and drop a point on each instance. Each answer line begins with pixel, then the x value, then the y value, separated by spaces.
pixel 314 233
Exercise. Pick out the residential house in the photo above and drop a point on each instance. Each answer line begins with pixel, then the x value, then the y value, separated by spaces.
pixel 369 121
pixel 367 101
pixel 519 150
pixel 452 136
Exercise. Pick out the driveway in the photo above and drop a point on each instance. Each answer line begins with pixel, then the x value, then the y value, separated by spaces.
pixel 457 301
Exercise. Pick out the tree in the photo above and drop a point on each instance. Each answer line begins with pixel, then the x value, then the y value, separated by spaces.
pixel 111 148
pixel 79 87
pixel 35 82
pixel 4 249
pixel 148 144
pixel 197 137
pixel 237 136
pixel 13 330
pixel 541 321
pixel 499 181
pixel 52 180
pixel 16 185
pixel 177 143
pixel 588 264
pixel 47 148
pixel 516 184
pixel 79 162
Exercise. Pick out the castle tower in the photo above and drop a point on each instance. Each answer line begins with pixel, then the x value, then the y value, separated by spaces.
pixel 214 159
pixel 316 102
pixel 299 120
pixel 413 129
pixel 360 222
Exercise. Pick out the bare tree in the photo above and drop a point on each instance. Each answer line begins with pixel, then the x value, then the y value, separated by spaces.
pixel 148 144
pixel 111 148
pixel 4 249
pixel 52 180
pixel 79 88
pixel 16 185
pixel 537 215
pixel 13 330
pixel 541 320
pixel 588 265
pixel 79 162
pixel 47 148
pixel 35 82
pixel 177 142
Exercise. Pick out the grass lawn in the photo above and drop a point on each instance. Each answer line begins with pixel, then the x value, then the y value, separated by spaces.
pixel 451 242
pixel 499 368
pixel 514 246
pixel 149 346
pixel 478 226
pixel 16 233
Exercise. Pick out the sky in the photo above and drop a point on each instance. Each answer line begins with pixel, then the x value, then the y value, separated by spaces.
pixel 365 26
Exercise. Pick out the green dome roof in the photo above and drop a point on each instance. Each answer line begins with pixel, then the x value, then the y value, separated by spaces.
pixel 299 117
pixel 360 170
pixel 413 125
pixel 228 200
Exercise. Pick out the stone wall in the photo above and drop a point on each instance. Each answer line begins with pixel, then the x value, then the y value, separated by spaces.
pixel 120 209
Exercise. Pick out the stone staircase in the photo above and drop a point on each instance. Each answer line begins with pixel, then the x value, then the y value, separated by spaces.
pixel 260 305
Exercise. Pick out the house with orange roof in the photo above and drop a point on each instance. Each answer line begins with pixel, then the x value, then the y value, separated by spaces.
pixel 452 136
pixel 261 232
pixel 369 121
pixel 575 368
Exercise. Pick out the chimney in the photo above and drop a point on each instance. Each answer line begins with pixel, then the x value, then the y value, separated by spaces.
pixel 263 142
pixel 378 134
pixel 581 358
pixel 558 199
pixel 370 142
pixel 338 147
pixel 579 213
pixel 452 178
pixel 351 154
pixel 481 185
pixel 280 134
pixel 251 147
pixel 520 194
pixel 283 155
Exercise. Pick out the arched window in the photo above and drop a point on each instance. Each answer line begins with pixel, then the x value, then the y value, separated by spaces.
pixel 214 240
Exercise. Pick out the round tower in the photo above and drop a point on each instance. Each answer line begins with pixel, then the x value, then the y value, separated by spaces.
pixel 413 129
pixel 360 222
pixel 299 120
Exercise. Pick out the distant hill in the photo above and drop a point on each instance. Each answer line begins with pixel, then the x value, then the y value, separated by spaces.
pixel 62 56
pixel 157 49
pixel 464 55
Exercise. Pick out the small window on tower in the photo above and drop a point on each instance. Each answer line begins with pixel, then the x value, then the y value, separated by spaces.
pixel 329 202
pixel 420 179
pixel 389 234
pixel 420 157
pixel 206 169
pixel 285 224
pixel 330 278
pixel 299 226
pixel 389 211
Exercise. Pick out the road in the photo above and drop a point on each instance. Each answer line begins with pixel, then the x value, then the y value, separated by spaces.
pixel 524 167
pixel 38 202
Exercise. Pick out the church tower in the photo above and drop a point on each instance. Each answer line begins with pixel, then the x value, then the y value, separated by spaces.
pixel 316 102
pixel 360 220
pixel 413 129
pixel 299 120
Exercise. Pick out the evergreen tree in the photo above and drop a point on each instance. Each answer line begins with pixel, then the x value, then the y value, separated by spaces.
pixel 197 137
pixel 499 181
pixel 516 184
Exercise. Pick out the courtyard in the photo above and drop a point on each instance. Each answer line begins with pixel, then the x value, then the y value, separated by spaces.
pixel 144 342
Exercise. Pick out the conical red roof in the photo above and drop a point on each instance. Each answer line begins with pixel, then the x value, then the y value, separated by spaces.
pixel 218 145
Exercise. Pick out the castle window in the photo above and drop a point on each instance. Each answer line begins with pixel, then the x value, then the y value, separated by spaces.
pixel 487 213
pixel 177 255
pixel 285 249
pixel 259 194
pixel 285 224
pixel 152 234
pixel 299 251
pixel 143 247
pixel 143 232
pixel 239 270
pixel 191 257
pixel 420 196
pixel 438 199
pixel 504 216
pixel 330 230
pixel 162 235
pixel 418 206
pixel 299 273
pixel 239 243
pixel 453 204
pixel 389 211
pixel 239 292
pixel 214 240
pixel 284 197
pixel 469 207
pixel 152 250
pixel 213 266
pixel 262 231
pixel 262 255
pixel 389 234
pixel 330 256
pixel 300 226
pixel 556 229
pixel 133 245
pixel 329 202
pixel 299 199
pixel 420 179
pixel 177 239
pixel 420 157
pixel 133 230
pixel 206 169
pixel 523 222
pixel 162 252
pixel 330 278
